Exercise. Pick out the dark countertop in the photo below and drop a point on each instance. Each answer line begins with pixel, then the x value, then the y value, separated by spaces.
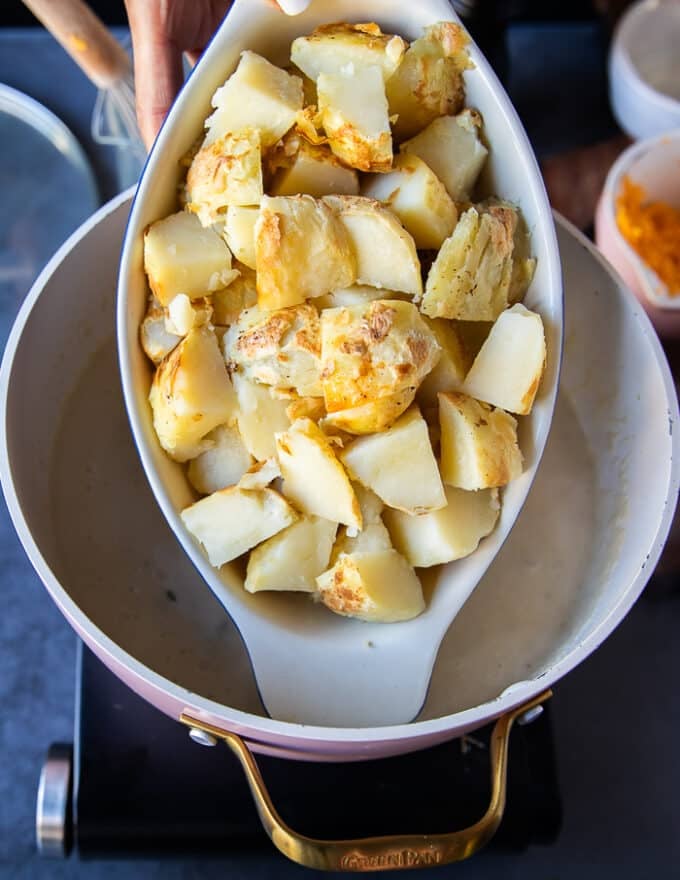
pixel 617 717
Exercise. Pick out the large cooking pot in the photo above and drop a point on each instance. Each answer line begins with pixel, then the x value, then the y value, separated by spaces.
pixel 576 561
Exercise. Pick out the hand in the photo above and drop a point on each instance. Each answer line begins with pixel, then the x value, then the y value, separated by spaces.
pixel 162 31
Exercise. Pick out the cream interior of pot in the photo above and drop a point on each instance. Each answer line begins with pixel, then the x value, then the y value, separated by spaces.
pixel 580 543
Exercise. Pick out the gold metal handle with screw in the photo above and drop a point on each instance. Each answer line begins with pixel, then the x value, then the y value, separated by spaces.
pixel 380 853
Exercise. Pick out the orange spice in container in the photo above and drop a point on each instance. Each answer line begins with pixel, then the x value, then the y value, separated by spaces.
pixel 652 229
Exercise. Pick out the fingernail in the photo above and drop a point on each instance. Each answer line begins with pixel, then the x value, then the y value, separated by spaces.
pixel 293 7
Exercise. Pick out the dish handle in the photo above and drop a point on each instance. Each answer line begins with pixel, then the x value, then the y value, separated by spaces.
pixel 380 853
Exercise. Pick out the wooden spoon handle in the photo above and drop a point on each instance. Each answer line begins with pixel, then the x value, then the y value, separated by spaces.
pixel 86 39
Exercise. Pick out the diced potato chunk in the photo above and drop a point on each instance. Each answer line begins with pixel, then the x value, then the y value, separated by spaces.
pixel 380 587
pixel 353 110
pixel 239 233
pixel 292 559
pixel 373 535
pixel 429 81
pixel 357 295
pixel 418 198
pixel 180 256
pixel 332 47
pixel 470 278
pixel 301 251
pixel 191 394
pixel 229 302
pixel 223 464
pixel 260 416
pixel 280 348
pixel 376 415
pixel 231 521
pixel 508 369
pixel 183 314
pixel 451 147
pixel 313 478
pixel 385 252
pixel 447 534
pixel 478 444
pixel 306 408
pixel 373 538
pixel 398 465
pixel 260 474
pixel 452 366
pixel 374 351
pixel 314 170
pixel 156 341
pixel 226 172
pixel 370 504
pixel 257 95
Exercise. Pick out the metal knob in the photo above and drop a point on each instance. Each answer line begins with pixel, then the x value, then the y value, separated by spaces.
pixel 53 810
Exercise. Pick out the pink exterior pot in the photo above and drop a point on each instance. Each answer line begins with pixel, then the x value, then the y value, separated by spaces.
pixel 565 578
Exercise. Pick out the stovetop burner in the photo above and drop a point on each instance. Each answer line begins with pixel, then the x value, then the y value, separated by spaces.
pixel 140 787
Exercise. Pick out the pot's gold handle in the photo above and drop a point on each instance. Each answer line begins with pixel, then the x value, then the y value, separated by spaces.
pixel 380 853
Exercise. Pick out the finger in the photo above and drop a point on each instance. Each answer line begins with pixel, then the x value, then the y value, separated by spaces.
pixel 293 7
pixel 158 81
pixel 158 69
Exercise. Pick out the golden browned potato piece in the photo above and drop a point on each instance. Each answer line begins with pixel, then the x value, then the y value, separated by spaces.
pixel 374 351
pixel 226 172
pixel 429 80
pixel 191 394
pixel 470 279
pixel 354 115
pixel 376 415
pixel 257 95
pixel 478 443
pixel 312 408
pixel 301 251
pixel 331 47
pixel 380 587
pixel 280 348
